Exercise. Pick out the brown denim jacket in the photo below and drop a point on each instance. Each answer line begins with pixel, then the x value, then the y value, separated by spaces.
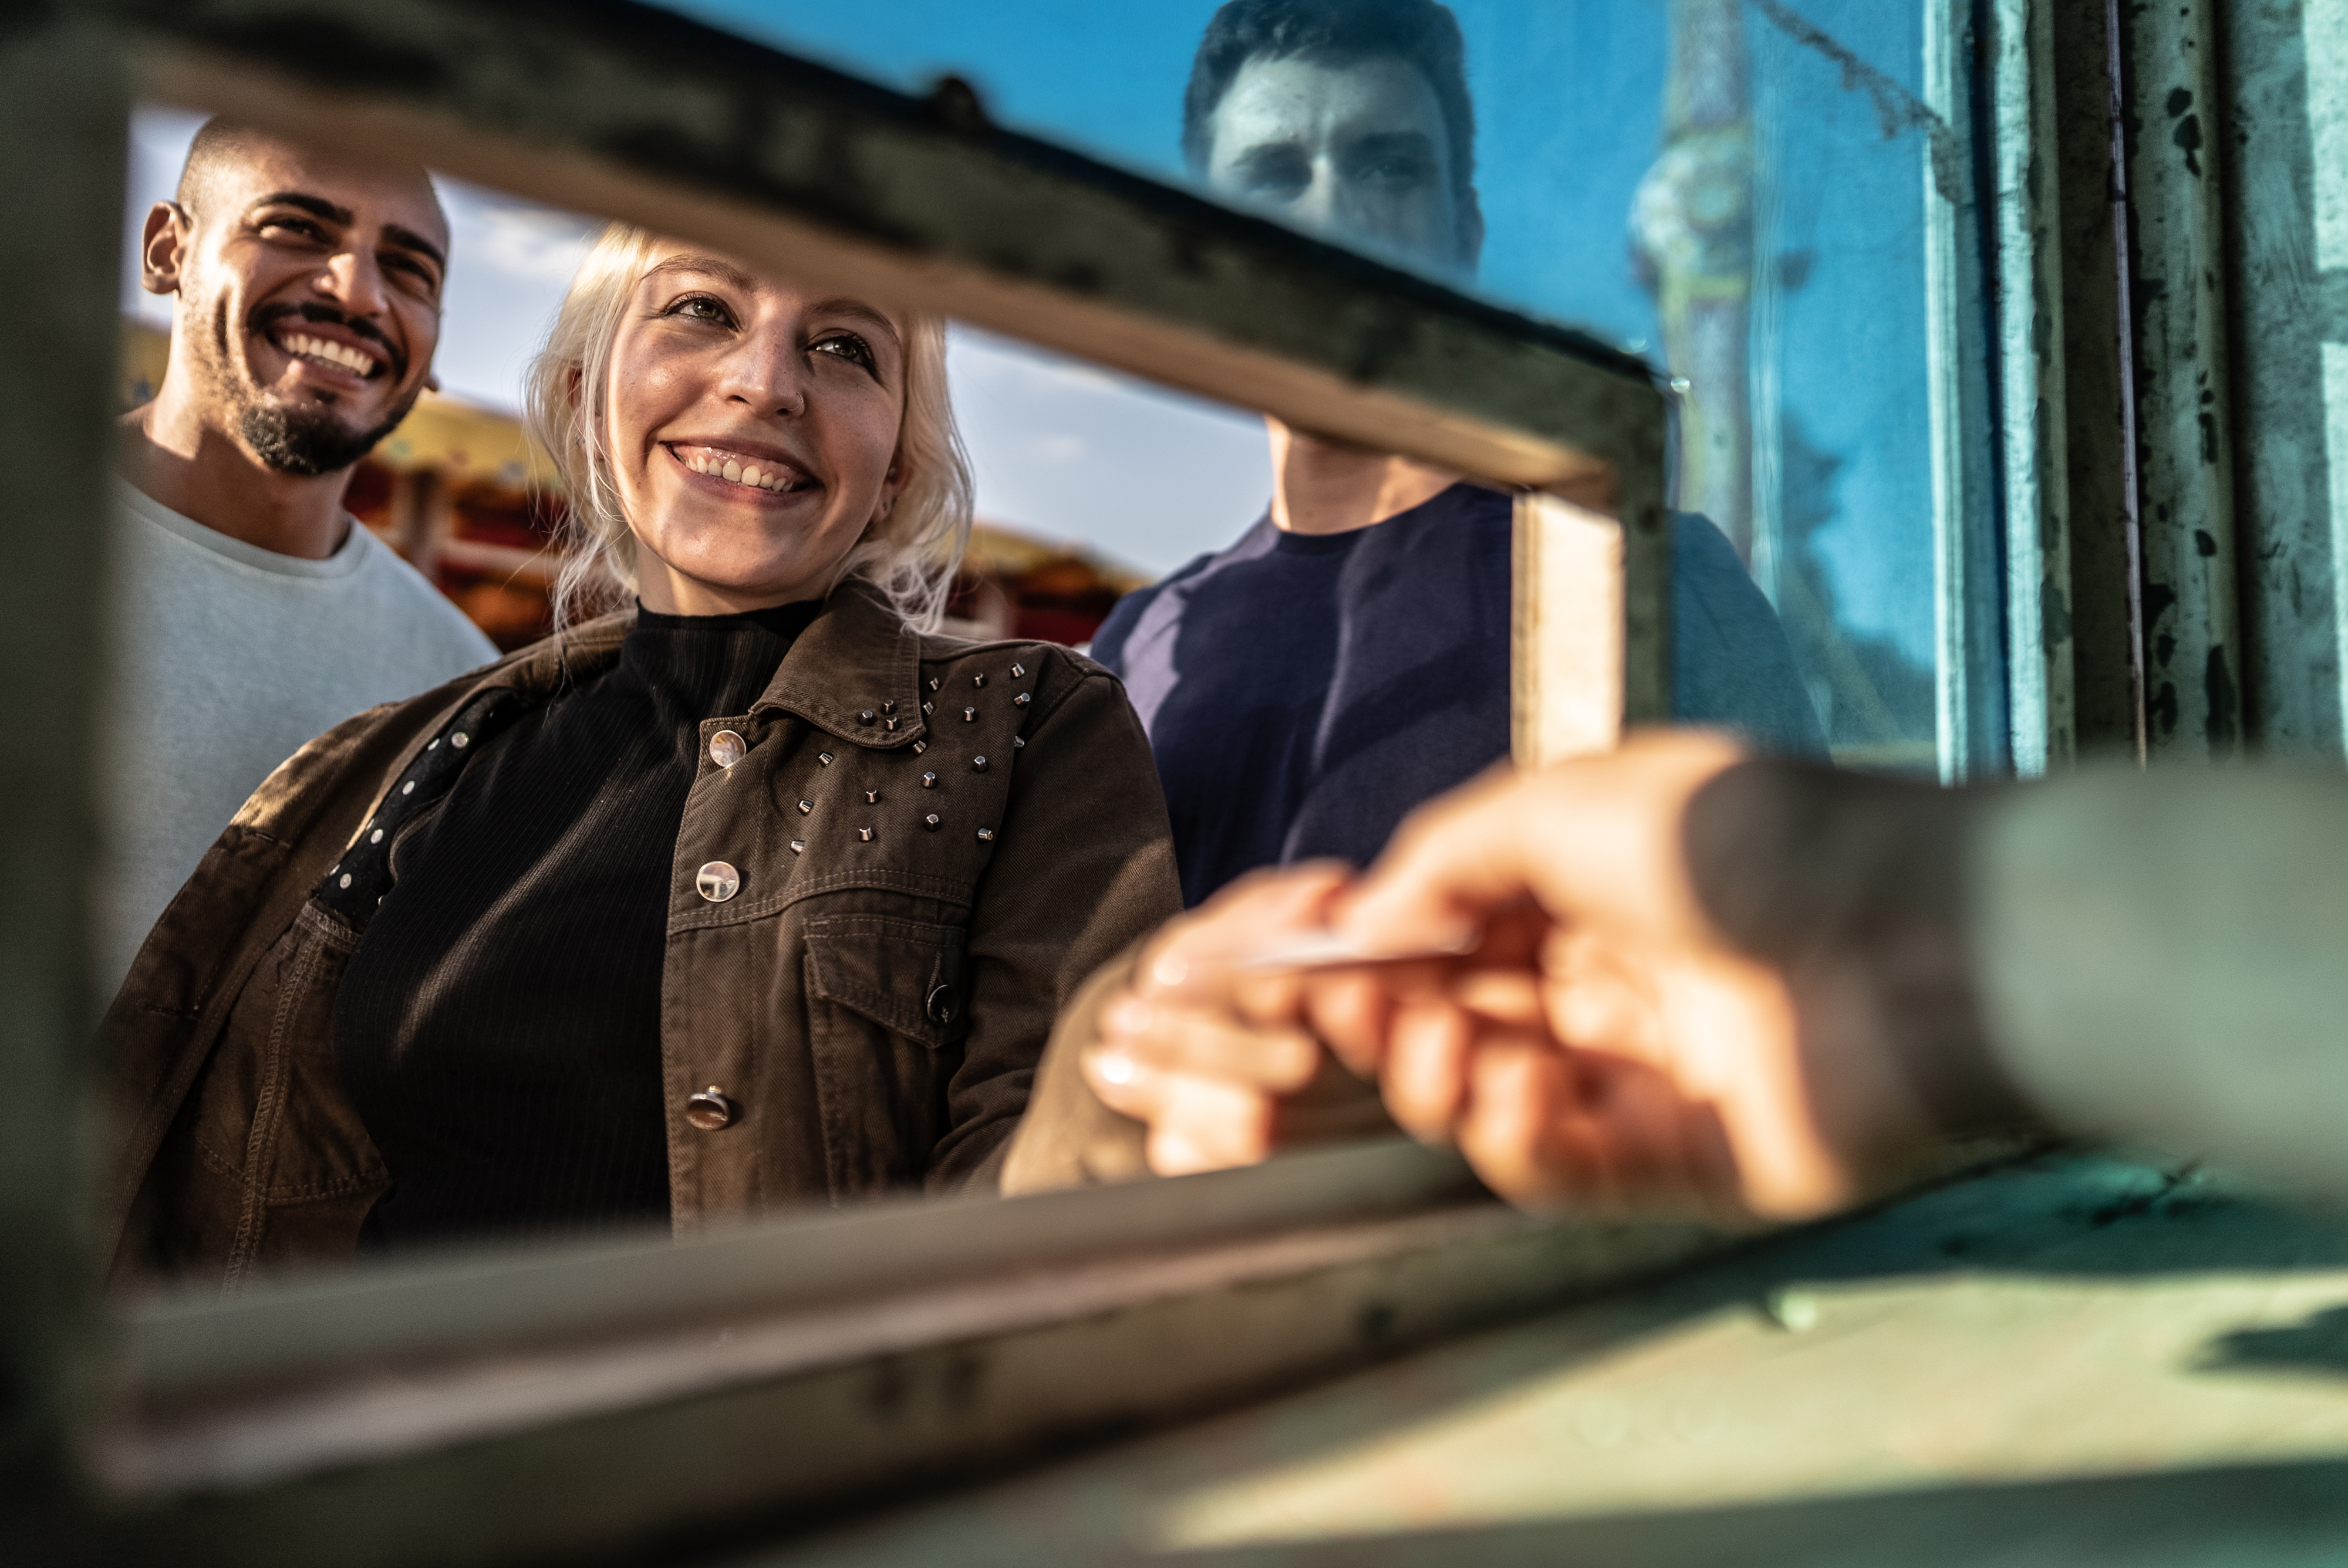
pixel 863 1013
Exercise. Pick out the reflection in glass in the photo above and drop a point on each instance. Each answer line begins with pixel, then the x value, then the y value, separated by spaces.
pixel 1736 189
pixel 1347 658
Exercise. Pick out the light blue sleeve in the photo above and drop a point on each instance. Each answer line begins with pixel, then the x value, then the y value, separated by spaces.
pixel 1732 668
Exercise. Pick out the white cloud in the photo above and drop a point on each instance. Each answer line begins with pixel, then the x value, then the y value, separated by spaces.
pixel 527 243
pixel 1057 449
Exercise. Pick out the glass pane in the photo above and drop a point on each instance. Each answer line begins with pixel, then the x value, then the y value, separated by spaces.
pixel 1735 189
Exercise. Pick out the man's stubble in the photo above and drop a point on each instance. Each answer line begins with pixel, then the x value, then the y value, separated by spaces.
pixel 303 440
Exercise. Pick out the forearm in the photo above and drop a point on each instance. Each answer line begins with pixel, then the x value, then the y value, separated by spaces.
pixel 1855 889
pixel 2163 959
pixel 2152 957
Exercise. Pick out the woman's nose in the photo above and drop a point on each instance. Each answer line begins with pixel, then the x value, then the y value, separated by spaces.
pixel 766 374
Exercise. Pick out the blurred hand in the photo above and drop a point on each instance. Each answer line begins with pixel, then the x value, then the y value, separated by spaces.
pixel 1606 1044
pixel 1201 1050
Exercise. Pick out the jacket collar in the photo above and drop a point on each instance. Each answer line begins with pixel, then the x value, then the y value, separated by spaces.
pixel 856 667
pixel 858 657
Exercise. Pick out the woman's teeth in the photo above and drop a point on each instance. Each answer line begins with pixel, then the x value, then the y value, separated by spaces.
pixel 328 352
pixel 734 471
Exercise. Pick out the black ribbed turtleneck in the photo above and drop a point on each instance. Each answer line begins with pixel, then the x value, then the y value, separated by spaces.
pixel 499 1027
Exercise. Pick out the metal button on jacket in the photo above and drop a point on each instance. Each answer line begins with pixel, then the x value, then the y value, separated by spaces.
pixel 710 1108
pixel 943 1005
pixel 717 882
pixel 727 748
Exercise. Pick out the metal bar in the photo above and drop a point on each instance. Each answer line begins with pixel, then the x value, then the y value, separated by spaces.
pixel 2283 74
pixel 191 1346
pixel 2184 375
pixel 63 108
pixel 2100 609
pixel 787 1397
pixel 2042 701
pixel 1765 345
pixel 1968 594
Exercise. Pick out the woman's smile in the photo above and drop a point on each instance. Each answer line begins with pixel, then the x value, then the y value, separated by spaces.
pixel 743 475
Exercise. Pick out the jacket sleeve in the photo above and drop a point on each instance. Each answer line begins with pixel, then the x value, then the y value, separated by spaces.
pixel 1082 869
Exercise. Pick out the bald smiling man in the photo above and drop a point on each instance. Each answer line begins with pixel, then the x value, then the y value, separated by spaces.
pixel 251 610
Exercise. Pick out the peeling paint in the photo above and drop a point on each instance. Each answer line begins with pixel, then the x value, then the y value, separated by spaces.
pixel 2188 138
pixel 2183 358
pixel 2218 692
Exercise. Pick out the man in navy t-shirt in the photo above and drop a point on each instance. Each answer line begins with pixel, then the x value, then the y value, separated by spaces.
pixel 1304 691
pixel 1348 658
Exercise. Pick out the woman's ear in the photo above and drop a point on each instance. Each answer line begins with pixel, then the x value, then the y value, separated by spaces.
pixel 892 484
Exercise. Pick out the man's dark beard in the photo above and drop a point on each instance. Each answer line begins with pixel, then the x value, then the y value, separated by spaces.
pixel 310 441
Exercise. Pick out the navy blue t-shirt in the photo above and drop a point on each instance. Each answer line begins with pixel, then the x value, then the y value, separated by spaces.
pixel 1304 691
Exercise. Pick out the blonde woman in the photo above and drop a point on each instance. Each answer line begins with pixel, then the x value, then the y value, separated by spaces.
pixel 750 893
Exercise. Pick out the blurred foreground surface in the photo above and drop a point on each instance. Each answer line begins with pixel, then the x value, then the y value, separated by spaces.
pixel 2074 1360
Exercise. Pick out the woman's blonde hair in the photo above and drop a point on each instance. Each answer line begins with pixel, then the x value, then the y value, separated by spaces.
pixel 912 554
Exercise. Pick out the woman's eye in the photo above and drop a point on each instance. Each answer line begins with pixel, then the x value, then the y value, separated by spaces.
pixel 847 346
pixel 700 308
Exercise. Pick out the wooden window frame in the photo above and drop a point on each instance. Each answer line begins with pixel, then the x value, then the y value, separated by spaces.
pixel 615 1397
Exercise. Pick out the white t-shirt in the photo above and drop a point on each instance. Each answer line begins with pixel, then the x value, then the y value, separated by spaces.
pixel 226 659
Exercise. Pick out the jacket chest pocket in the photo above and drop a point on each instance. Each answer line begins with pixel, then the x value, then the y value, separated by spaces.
pixel 886 1000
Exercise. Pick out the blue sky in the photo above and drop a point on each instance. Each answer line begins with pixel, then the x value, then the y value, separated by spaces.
pixel 1569 96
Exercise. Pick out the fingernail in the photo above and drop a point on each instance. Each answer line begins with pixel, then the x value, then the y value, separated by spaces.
pixel 1128 1015
pixel 1170 971
pixel 1114 1067
pixel 1457 937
